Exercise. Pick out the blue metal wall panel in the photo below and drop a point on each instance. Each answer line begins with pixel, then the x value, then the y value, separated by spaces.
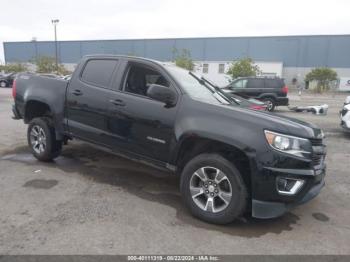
pixel 139 48
pixel 339 52
pixel 160 49
pixel 69 52
pixel 195 46
pixel 123 47
pixel 274 49
pixel 19 52
pixel 92 47
pixel 288 50
pixel 293 51
pixel 222 49
pixel 316 52
pixel 264 49
pixel 46 48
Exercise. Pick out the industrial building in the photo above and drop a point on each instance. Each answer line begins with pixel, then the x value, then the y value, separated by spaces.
pixel 285 56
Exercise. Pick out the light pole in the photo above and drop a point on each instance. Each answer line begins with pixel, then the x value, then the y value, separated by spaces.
pixel 55 22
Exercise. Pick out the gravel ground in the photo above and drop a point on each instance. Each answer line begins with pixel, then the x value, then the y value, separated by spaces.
pixel 91 202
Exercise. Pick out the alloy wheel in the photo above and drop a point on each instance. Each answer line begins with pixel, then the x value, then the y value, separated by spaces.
pixel 269 105
pixel 38 139
pixel 210 189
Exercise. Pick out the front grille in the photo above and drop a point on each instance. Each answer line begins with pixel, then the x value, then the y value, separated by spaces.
pixel 316 142
pixel 318 149
pixel 317 159
pixel 344 111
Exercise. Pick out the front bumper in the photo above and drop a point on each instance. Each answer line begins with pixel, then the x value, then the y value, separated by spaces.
pixel 267 209
pixel 270 197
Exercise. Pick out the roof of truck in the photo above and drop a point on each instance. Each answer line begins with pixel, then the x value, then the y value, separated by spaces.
pixel 123 56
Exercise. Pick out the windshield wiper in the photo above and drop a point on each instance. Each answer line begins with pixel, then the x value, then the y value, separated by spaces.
pixel 219 91
pixel 214 88
pixel 203 83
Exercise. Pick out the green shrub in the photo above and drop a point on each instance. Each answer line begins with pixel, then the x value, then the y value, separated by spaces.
pixel 47 64
pixel 183 59
pixel 323 76
pixel 14 68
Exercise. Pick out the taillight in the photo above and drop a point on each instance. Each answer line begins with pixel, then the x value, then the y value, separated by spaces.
pixel 14 89
pixel 285 90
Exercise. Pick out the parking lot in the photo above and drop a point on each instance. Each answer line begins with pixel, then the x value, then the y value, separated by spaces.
pixel 91 202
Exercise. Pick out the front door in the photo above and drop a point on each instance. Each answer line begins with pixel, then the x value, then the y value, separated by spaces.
pixel 239 86
pixel 137 123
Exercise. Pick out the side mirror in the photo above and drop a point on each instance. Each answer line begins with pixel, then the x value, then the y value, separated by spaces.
pixel 162 93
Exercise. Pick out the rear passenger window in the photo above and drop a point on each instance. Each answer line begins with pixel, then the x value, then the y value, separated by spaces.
pixel 256 83
pixel 99 72
pixel 273 83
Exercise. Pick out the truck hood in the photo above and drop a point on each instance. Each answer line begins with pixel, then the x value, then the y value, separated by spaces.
pixel 292 125
pixel 270 121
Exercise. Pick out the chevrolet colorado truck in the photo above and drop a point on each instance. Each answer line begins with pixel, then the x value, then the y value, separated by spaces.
pixel 230 160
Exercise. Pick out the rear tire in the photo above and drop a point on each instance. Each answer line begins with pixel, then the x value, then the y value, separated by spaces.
pixel 271 104
pixel 208 199
pixel 42 139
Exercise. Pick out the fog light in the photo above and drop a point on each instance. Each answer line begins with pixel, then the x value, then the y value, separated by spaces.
pixel 289 186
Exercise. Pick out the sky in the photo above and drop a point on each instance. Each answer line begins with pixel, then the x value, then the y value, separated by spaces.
pixel 21 20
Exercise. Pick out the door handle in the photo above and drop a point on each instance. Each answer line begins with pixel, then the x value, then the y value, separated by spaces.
pixel 117 102
pixel 77 92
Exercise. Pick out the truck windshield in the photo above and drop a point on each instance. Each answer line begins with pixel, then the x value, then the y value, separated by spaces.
pixel 196 88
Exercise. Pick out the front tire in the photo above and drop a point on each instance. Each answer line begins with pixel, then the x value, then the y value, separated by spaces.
pixel 42 139
pixel 213 189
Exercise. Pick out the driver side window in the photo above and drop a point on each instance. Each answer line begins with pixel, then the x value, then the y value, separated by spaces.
pixel 240 84
pixel 140 78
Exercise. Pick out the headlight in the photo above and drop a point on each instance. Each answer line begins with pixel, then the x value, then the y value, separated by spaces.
pixel 289 144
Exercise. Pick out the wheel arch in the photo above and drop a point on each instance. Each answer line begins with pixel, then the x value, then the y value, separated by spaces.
pixel 268 95
pixel 35 108
pixel 192 146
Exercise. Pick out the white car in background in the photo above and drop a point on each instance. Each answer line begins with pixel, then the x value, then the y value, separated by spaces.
pixel 345 115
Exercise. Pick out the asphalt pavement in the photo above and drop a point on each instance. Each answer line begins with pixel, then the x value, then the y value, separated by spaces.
pixel 91 202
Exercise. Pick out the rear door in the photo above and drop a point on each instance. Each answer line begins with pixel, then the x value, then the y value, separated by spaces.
pixel 255 87
pixel 271 86
pixel 87 96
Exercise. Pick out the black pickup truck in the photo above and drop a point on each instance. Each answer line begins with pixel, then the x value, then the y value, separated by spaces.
pixel 231 160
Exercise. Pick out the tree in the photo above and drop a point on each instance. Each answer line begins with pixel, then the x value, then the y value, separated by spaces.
pixel 47 64
pixel 323 76
pixel 62 70
pixel 243 68
pixel 183 59
pixel 14 68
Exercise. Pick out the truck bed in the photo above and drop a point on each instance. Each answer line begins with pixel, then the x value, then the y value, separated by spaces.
pixel 40 89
